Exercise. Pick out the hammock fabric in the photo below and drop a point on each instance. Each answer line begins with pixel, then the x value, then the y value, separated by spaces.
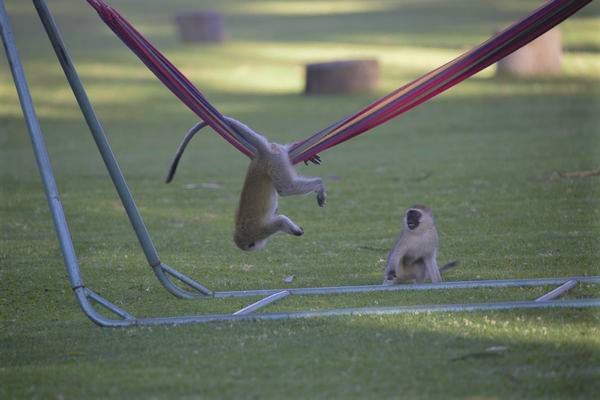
pixel 398 102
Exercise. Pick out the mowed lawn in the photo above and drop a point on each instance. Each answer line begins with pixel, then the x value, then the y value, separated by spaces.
pixel 485 156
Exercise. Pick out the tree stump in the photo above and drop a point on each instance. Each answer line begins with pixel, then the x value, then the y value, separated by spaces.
pixel 200 26
pixel 542 56
pixel 351 76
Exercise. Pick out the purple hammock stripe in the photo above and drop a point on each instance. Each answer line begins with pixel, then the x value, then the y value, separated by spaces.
pixel 399 95
pixel 365 123
pixel 489 54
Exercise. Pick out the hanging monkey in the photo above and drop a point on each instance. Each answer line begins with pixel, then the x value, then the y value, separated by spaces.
pixel 270 175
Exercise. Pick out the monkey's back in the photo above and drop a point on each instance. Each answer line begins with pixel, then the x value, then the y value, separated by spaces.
pixel 258 199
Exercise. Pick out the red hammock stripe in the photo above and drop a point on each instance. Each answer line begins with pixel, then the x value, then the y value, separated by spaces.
pixel 169 75
pixel 380 111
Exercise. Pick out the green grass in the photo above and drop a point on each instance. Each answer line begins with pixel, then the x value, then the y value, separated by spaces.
pixel 482 156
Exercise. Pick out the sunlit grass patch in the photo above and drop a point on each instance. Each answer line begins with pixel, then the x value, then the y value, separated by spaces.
pixel 314 7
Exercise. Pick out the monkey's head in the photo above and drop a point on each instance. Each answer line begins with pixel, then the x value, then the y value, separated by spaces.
pixel 248 243
pixel 418 217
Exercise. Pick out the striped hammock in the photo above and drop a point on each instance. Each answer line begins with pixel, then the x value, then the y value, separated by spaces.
pixel 398 102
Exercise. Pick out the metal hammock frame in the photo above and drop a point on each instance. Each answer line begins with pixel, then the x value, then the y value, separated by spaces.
pixel 167 275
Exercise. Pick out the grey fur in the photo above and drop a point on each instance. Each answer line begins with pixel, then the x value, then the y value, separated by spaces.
pixel 414 256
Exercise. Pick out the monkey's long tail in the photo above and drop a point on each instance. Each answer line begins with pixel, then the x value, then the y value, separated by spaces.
pixel 449 265
pixel 186 139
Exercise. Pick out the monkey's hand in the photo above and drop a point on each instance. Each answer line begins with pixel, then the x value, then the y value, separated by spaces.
pixel 390 276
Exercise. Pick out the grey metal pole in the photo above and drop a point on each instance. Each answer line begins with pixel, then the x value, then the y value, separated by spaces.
pixel 98 133
pixel 39 148
pixel 111 163
pixel 448 308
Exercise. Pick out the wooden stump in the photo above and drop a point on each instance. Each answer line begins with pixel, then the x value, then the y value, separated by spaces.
pixel 200 26
pixel 350 76
pixel 541 57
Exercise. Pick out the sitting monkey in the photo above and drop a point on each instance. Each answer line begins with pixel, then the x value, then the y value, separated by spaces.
pixel 270 174
pixel 414 256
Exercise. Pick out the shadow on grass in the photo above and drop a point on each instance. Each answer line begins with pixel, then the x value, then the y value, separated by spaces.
pixel 544 354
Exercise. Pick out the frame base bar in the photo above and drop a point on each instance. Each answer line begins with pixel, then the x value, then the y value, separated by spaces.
pixel 559 291
pixel 504 283
pixel 262 303
pixel 468 307
pixel 84 296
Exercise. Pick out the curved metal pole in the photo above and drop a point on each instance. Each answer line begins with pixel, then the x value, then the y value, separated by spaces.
pixel 45 169
pixel 110 161
pixel 97 318
pixel 163 271
pixel 97 132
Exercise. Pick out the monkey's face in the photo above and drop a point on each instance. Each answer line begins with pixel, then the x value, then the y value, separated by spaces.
pixel 247 244
pixel 417 219
pixel 413 219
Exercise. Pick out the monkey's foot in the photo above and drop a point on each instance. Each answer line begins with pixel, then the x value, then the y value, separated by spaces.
pixel 321 198
pixel 314 159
